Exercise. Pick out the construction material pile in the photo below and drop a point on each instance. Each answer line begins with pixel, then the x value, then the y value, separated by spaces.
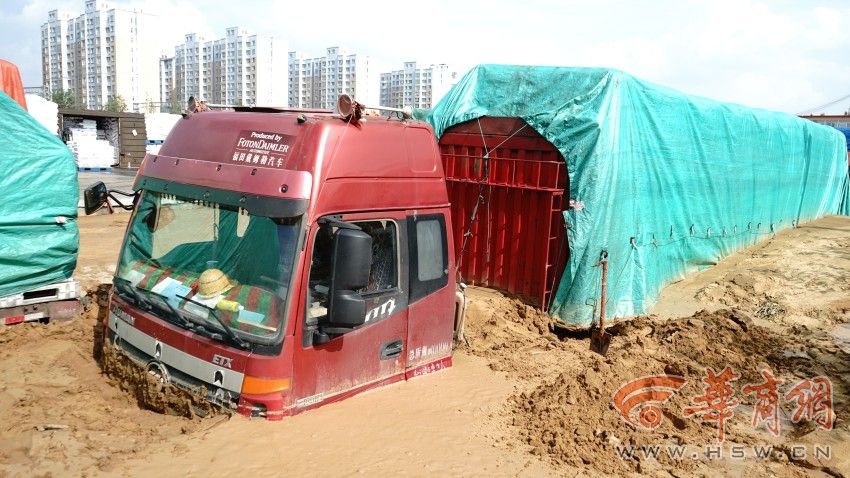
pixel 45 111
pixel 91 146
pixel 158 125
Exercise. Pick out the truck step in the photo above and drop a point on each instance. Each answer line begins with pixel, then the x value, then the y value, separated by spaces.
pixel 102 170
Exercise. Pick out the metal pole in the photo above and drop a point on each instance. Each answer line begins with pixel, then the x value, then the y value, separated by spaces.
pixel 604 263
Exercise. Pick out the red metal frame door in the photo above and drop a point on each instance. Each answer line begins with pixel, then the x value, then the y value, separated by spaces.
pixel 507 186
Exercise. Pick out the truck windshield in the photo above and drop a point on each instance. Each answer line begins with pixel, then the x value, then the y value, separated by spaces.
pixel 213 263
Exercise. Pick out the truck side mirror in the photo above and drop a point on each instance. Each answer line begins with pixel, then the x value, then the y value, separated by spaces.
pixel 352 261
pixel 94 197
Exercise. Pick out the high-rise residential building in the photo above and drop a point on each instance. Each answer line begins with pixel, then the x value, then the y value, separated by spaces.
pixel 240 69
pixel 318 82
pixel 104 52
pixel 167 84
pixel 416 87
pixel 55 50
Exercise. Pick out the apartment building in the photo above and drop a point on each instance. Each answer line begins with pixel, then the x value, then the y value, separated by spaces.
pixel 318 82
pixel 55 50
pixel 416 87
pixel 166 85
pixel 103 52
pixel 242 68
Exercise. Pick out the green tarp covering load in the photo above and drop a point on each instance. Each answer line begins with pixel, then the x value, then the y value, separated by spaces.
pixel 666 183
pixel 39 239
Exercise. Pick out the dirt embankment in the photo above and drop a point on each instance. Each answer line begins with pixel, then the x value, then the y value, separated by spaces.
pixel 773 310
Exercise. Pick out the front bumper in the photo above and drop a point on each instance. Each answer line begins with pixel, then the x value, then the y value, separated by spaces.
pixel 174 366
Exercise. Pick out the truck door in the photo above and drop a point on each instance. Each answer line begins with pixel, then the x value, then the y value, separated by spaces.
pixel 373 353
pixel 431 299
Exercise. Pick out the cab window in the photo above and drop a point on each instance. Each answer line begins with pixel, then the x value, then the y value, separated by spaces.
pixel 383 274
pixel 429 271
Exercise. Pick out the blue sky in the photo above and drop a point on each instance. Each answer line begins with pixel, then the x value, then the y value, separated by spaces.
pixel 782 55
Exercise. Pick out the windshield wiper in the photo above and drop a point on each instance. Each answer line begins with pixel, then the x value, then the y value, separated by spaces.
pixel 125 286
pixel 227 330
pixel 184 322
pixel 138 294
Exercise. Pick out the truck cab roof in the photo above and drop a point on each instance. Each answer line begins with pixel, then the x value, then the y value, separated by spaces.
pixel 294 154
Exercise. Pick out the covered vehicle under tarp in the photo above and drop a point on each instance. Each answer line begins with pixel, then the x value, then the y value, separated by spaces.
pixel 666 183
pixel 39 239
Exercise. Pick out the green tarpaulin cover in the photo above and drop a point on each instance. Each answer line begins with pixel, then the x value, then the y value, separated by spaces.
pixel 39 239
pixel 666 183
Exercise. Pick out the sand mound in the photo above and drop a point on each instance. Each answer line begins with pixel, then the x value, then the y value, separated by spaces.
pixel 563 409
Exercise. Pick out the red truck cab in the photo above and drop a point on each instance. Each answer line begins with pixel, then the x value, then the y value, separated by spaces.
pixel 276 261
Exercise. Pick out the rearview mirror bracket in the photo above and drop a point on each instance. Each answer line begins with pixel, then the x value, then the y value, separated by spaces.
pixel 97 195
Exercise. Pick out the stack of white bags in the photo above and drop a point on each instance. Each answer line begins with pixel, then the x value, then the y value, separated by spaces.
pixel 45 111
pixel 90 151
pixel 157 126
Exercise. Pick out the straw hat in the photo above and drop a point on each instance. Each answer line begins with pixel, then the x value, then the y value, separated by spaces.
pixel 213 282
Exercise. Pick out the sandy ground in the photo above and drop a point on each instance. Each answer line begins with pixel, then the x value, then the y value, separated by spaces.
pixel 523 397
pixel 101 236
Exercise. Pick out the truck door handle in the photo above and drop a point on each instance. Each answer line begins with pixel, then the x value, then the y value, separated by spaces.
pixel 391 349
